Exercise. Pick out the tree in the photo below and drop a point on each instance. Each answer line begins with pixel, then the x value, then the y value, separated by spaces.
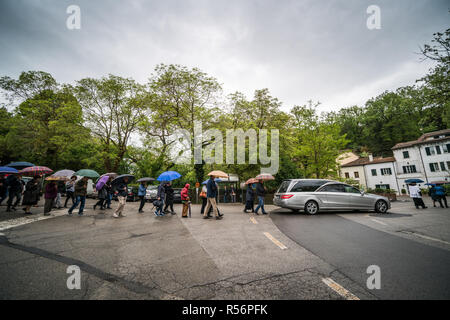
pixel 113 108
pixel 319 142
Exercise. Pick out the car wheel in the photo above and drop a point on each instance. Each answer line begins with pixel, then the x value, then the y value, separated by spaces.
pixel 381 206
pixel 311 207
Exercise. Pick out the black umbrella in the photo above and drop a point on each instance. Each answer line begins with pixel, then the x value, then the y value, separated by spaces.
pixel 146 179
pixel 120 178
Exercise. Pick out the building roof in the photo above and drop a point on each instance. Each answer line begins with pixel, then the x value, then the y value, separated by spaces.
pixel 366 161
pixel 425 138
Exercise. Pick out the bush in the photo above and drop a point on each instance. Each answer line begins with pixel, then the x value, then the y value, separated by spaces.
pixel 403 191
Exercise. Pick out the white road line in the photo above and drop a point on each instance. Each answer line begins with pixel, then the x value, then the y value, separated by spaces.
pixel 339 289
pixel 425 237
pixel 253 220
pixel 278 243
pixel 12 223
pixel 378 221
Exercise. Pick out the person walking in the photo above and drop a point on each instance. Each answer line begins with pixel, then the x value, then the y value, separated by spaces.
pixel 161 197
pixel 434 197
pixel 225 194
pixel 14 192
pixel 249 199
pixel 204 199
pixel 185 200
pixel 51 193
pixel 416 195
pixel 142 191
pixel 3 189
pixel 122 188
pixel 233 194
pixel 109 191
pixel 31 194
pixel 61 189
pixel 70 190
pixel 440 193
pixel 211 194
pixel 169 197
pixel 260 192
pixel 102 195
pixel 80 195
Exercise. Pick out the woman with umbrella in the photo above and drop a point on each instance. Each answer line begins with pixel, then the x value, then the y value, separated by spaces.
pixel 122 187
pixel 250 195
pixel 142 191
pixel 51 192
pixel 261 190
pixel 70 190
pixel 31 194
pixel 102 192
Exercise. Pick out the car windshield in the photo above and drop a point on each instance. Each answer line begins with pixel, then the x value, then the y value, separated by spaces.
pixel 284 185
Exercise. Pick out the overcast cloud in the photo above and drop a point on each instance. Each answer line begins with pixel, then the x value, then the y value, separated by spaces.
pixel 300 50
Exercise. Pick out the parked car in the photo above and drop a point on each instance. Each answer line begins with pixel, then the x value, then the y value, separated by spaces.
pixel 151 194
pixel 314 195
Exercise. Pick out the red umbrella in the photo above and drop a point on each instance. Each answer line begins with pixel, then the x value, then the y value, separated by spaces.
pixel 265 176
pixel 35 171
pixel 251 181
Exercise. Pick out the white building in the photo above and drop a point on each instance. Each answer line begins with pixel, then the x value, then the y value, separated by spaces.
pixel 427 158
pixel 372 172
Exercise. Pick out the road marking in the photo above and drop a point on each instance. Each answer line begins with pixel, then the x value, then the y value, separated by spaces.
pixel 339 289
pixel 425 237
pixel 378 221
pixel 253 220
pixel 278 243
pixel 12 223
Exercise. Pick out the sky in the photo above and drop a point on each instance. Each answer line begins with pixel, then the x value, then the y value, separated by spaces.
pixel 320 50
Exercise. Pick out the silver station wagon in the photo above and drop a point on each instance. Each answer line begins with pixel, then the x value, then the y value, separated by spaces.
pixel 314 195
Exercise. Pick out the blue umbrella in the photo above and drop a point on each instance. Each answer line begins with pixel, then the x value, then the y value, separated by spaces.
pixel 413 181
pixel 168 176
pixel 8 170
pixel 216 180
pixel 20 165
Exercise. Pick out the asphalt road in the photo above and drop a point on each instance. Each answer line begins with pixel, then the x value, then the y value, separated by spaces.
pixel 409 269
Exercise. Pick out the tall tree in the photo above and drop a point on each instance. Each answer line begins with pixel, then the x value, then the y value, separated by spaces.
pixel 113 108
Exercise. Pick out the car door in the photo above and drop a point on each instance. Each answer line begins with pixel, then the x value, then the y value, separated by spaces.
pixel 358 199
pixel 333 196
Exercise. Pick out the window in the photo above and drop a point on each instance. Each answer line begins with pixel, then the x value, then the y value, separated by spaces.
pixel 333 188
pixel 434 167
pixel 442 166
pixel 405 154
pixel 347 175
pixel 284 186
pixel 374 172
pixel 356 174
pixel 429 151
pixel 350 189
pixel 446 148
pixel 382 186
pixel 386 171
pixel 448 165
pixel 438 150
pixel 308 185
pixel 409 169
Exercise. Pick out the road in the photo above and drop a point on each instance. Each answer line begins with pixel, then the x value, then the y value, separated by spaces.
pixel 244 256
pixel 352 242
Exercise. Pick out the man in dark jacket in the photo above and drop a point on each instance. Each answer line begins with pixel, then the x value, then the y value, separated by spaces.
pixel 3 189
pixel 211 194
pixel 169 198
pixel 15 191
pixel 122 188
pixel 161 197
pixel 249 199
pixel 80 195
pixel 260 192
